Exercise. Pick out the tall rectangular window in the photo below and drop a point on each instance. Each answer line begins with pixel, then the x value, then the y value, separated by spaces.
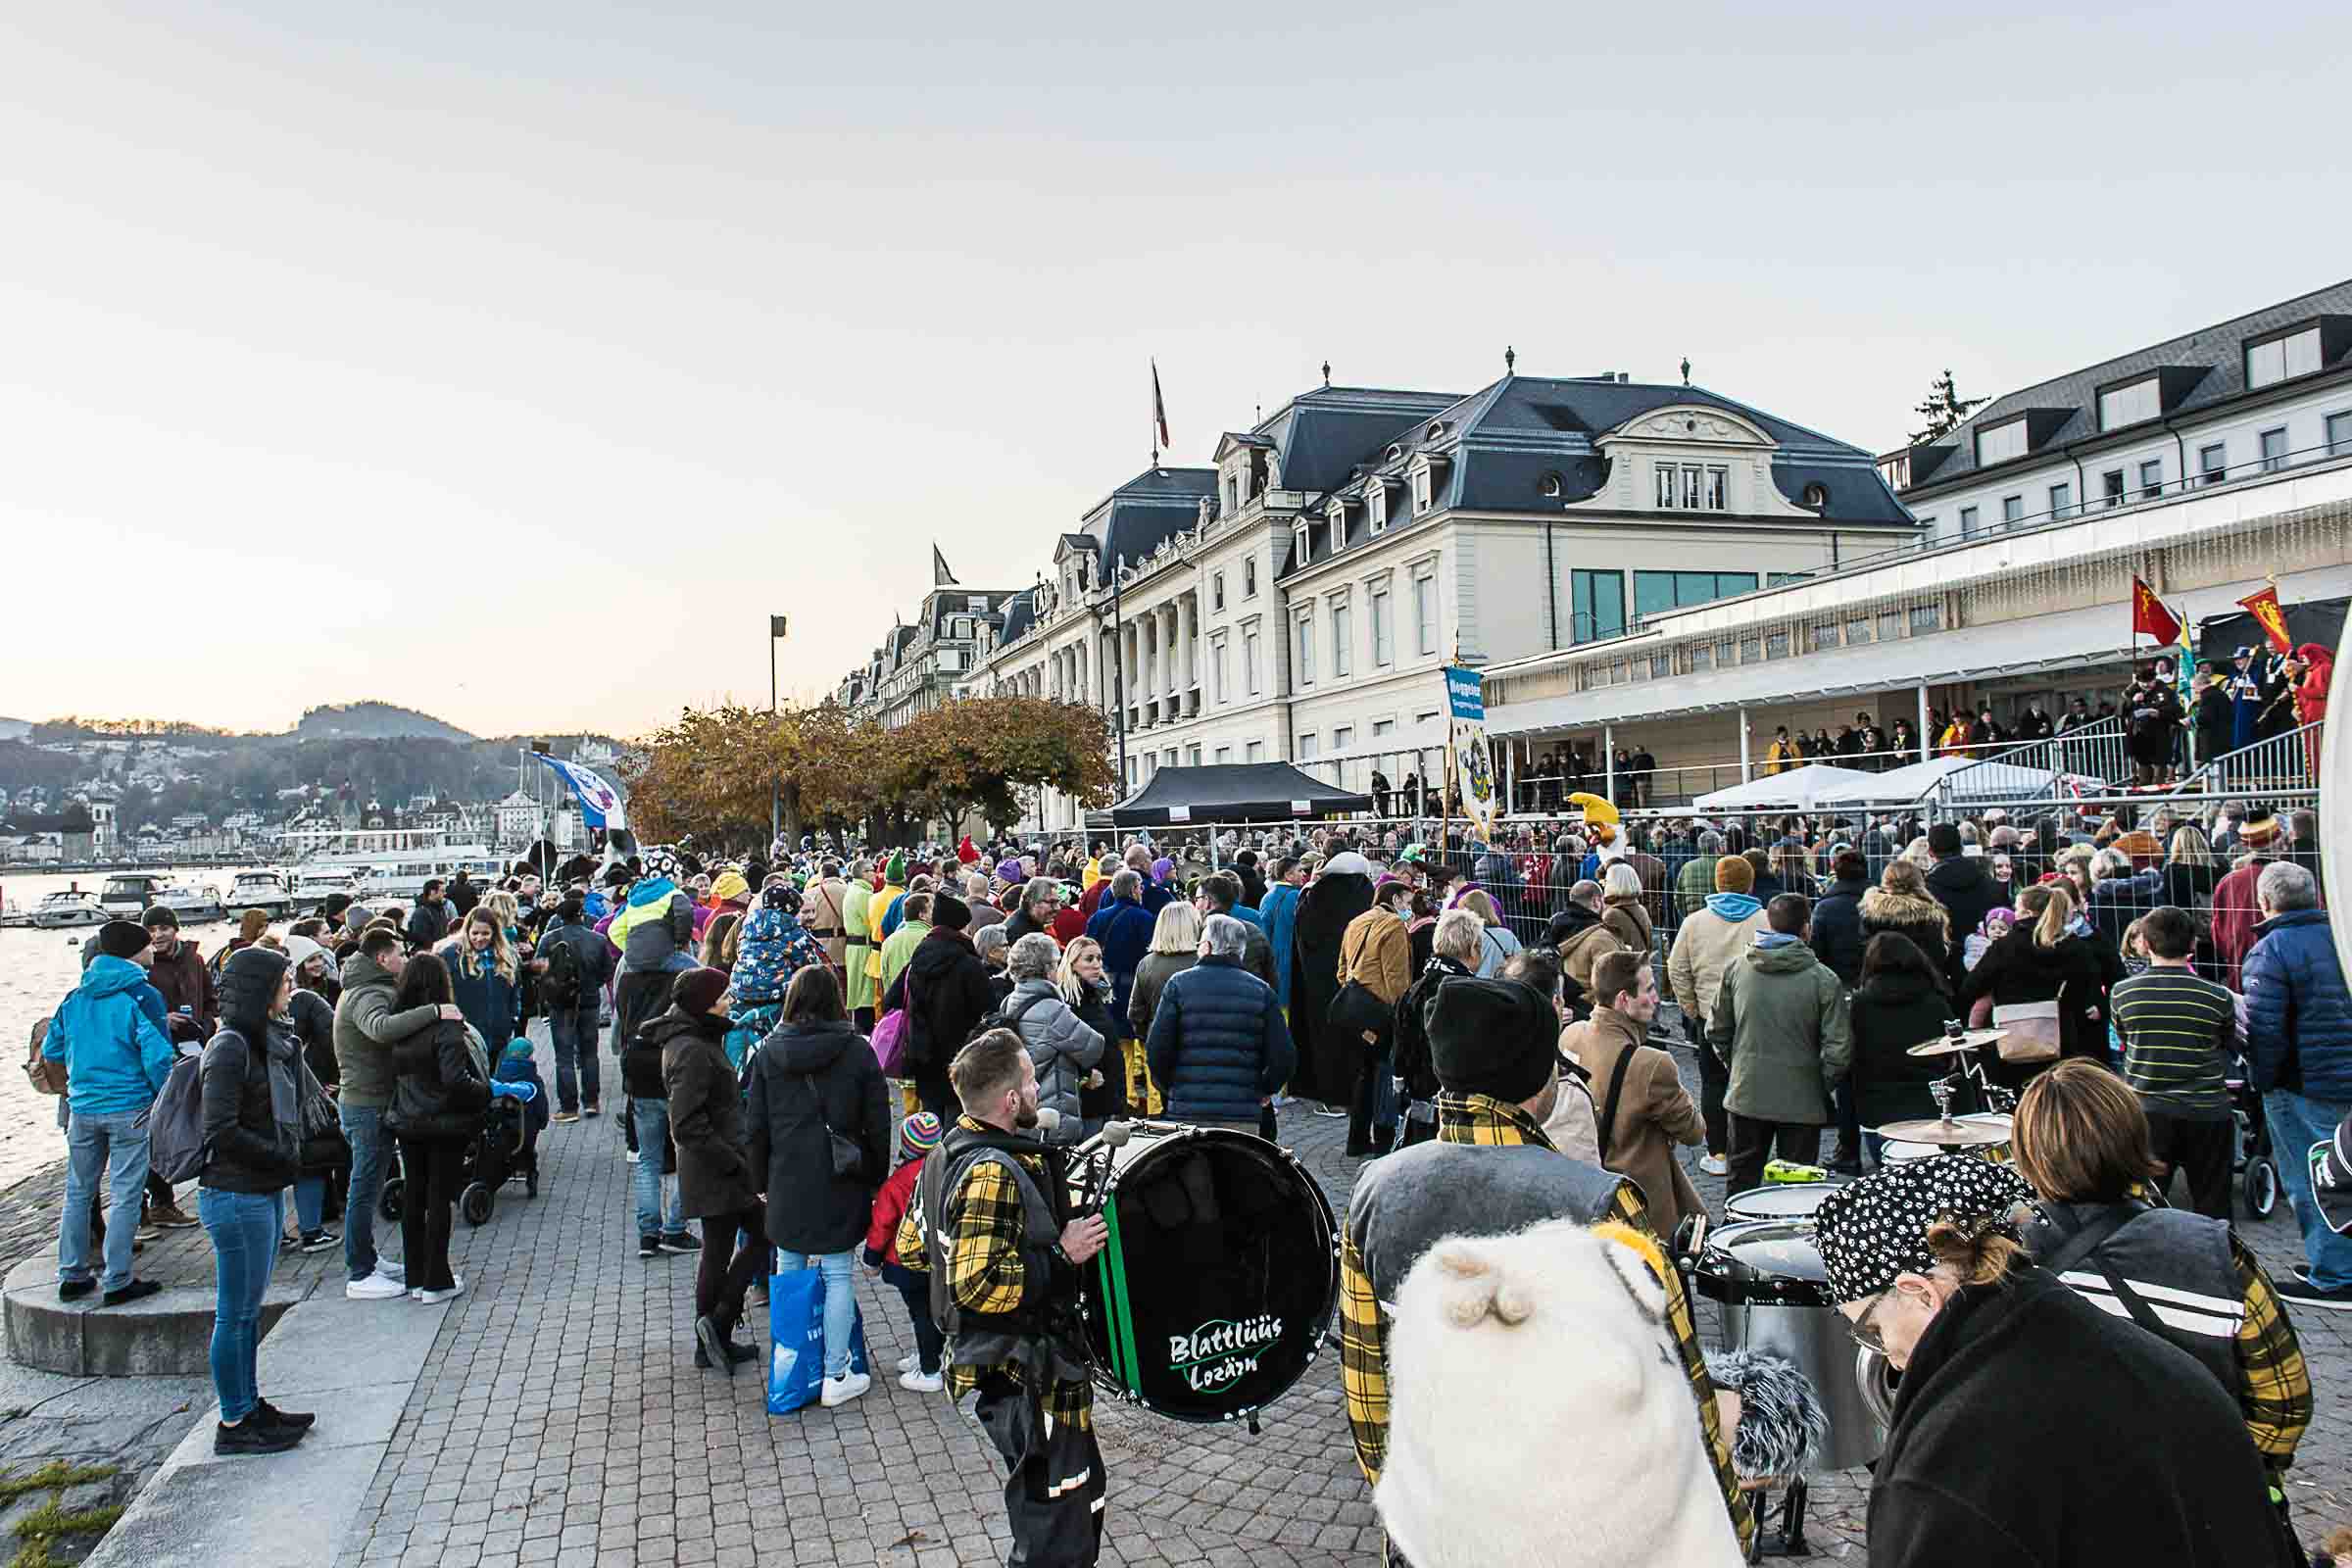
pixel 1218 673
pixel 2013 511
pixel 2151 479
pixel 1342 737
pixel 1250 662
pixel 1666 486
pixel 1223 755
pixel 1343 639
pixel 1421 491
pixel 1217 590
pixel 1383 645
pixel 2111 487
pixel 2340 434
pixel 1307 650
pixel 2062 500
pixel 2274 450
pixel 2213 463
pixel 1254 752
pixel 1425 614
pixel 1308 742
pixel 1695 481
pixel 1719 489
pixel 1250 578
pixel 1968 522
pixel 1597 605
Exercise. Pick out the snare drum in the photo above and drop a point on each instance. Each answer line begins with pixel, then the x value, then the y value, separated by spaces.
pixel 1222 1267
pixel 1793 1200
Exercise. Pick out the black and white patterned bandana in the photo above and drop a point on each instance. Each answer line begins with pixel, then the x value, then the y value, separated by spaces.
pixel 661 861
pixel 1871 1230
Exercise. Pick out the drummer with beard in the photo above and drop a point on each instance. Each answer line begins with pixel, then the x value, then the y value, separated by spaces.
pixel 990 1221
pixel 1490 1172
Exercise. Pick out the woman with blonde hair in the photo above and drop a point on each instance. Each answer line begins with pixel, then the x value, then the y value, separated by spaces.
pixel 1500 942
pixel 1175 948
pixel 1085 986
pixel 1901 904
pixel 1622 910
pixel 2047 958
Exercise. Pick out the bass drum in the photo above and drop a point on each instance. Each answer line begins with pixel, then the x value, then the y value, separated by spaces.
pixel 1212 1295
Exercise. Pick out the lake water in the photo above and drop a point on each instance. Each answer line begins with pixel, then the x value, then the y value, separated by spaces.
pixel 36 970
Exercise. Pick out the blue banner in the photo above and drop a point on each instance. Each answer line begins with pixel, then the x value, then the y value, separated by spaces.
pixel 1470 764
pixel 600 803
pixel 1465 690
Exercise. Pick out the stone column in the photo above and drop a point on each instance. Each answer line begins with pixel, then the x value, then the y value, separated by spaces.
pixel 1188 610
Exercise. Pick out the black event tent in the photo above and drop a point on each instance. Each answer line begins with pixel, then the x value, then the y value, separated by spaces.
pixel 1228 792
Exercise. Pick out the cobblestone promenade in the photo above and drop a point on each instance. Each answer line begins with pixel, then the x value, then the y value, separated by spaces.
pixel 562 1420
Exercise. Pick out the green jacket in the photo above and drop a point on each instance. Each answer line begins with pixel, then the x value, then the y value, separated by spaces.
pixel 1780 1022
pixel 365 1030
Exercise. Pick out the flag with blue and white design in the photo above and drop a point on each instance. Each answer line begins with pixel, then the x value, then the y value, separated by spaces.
pixel 601 804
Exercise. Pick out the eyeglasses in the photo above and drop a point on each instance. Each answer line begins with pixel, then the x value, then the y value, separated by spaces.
pixel 1866 1333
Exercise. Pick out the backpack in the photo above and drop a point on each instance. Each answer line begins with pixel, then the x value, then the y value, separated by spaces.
pixel 560 987
pixel 176 1148
pixel 1007 1014
pixel 48 1077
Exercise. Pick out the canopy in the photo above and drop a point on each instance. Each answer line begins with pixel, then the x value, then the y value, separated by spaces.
pixel 1958 776
pixel 1228 792
pixel 1800 787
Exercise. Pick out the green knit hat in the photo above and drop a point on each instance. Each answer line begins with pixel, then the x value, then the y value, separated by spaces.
pixel 895 870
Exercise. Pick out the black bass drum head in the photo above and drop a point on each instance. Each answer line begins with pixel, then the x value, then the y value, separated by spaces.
pixel 1212 1295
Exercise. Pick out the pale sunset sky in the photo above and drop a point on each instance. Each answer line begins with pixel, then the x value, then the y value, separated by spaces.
pixel 514 361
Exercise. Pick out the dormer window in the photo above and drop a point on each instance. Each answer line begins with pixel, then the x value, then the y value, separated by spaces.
pixel 1376 505
pixel 2281 358
pixel 1421 490
pixel 2000 442
pixel 2130 404
pixel 1551 486
pixel 1299 543
pixel 1394 452
pixel 1436 429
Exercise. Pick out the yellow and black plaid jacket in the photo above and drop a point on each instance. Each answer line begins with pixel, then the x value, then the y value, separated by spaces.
pixel 983 1232
pixel 2274 1385
pixel 1364 1331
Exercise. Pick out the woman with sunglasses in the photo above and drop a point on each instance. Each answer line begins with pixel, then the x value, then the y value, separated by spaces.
pixel 2031 1428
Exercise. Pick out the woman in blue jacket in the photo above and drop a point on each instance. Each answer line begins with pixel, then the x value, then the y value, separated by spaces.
pixel 489 980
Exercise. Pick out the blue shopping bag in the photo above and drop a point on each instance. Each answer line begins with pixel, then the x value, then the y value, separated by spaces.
pixel 795 1327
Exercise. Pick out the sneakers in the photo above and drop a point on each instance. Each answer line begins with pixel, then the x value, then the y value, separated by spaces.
pixel 291 1420
pixel 2301 1292
pixel 433 1298
pixel 921 1382
pixel 714 1346
pixel 376 1286
pixel 564 1118
pixel 253 1434
pixel 741 1353
pixel 74 1290
pixel 632 1156
pixel 319 1241
pixel 680 1241
pixel 842 1390
pixel 649 1246
pixel 392 1268
pixel 909 1361
pixel 591 1109
pixel 140 1237
pixel 1714 1164
pixel 136 1290
pixel 172 1217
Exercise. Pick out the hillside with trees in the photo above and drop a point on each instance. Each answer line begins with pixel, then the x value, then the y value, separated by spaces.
pixel 373 721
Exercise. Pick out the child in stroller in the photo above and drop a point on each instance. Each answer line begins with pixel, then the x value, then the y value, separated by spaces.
pixel 515 1081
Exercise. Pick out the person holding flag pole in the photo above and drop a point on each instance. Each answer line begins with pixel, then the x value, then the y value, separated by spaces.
pixel 2151 706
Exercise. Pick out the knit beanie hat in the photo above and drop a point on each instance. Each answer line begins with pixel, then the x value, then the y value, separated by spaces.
pixel 729 886
pixel 949 913
pixel 1733 874
pixel 1497 1038
pixel 697 989
pixel 918 1135
pixel 1874 1229
pixel 894 870
pixel 120 939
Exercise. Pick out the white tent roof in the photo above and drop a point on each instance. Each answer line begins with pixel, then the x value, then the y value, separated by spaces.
pixel 1975 780
pixel 1799 787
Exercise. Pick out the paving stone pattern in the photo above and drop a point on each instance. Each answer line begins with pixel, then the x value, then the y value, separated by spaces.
pixel 562 1420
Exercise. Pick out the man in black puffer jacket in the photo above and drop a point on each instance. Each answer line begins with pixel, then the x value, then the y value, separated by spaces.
pixel 1837 936
pixel 1218 1045
pixel 1961 886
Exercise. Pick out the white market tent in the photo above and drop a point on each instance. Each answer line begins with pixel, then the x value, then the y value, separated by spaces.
pixel 1799 787
pixel 1958 776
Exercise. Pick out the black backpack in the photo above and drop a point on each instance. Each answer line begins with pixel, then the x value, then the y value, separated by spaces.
pixel 560 987
pixel 1007 1014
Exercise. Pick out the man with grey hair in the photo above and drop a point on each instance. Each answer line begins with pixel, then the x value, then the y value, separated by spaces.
pixel 1041 900
pixel 1696 877
pixel 1218 1047
pixel 2298 1027
pixel 1455 949
pixel 985 913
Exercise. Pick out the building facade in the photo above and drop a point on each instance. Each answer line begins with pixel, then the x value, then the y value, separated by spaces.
pixel 2205 464
pixel 919 665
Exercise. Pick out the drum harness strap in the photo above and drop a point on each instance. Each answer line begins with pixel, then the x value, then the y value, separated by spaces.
pixel 1032 1336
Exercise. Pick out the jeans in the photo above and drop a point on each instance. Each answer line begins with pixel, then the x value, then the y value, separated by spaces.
pixel 113 1143
pixel 310 1203
pixel 840 1306
pixel 915 1290
pixel 2297 1122
pixel 651 1119
pixel 244 1228
pixel 364 1128
pixel 575 1038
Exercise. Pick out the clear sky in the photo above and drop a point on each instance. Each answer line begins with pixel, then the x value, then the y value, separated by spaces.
pixel 514 362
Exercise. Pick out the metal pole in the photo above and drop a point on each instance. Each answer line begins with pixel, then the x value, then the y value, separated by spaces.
pixel 1608 762
pixel 1745 773
pixel 1927 742
pixel 775 786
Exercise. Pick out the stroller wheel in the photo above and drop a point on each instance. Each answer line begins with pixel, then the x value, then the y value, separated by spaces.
pixel 2262 1187
pixel 475 1203
pixel 387 1203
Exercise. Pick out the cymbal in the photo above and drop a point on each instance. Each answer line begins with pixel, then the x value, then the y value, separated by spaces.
pixel 1944 1046
pixel 1947 1134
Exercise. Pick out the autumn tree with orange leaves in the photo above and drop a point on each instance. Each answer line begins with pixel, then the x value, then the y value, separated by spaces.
pixel 708 775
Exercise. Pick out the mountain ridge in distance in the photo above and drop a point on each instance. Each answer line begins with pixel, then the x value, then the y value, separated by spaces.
pixel 373 721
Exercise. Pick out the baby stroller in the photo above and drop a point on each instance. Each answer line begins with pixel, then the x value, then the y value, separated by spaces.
pixel 2256 1160
pixel 505 1147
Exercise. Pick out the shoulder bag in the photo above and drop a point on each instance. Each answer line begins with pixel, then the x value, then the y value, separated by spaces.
pixel 848 1160
pixel 2030 1031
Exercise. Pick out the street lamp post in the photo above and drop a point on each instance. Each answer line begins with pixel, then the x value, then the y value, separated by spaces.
pixel 775 786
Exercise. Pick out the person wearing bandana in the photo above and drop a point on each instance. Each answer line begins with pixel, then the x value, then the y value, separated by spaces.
pixel 2031 1428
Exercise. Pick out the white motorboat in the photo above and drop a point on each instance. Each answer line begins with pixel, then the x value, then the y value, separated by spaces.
pixel 402 874
pixel 63 910
pixel 315 885
pixel 130 894
pixel 263 890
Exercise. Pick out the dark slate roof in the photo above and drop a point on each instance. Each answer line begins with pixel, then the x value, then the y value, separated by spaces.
pixel 954 599
pixel 1493 450
pixel 1020 615
pixel 1141 514
pixel 2069 404
pixel 1321 435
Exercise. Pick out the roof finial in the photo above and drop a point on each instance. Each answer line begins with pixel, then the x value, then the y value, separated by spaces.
pixel 1510 358
pixel 1686 369
pixel 1327 373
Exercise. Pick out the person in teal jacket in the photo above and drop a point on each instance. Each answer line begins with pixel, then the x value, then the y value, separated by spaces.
pixel 1279 915
pixel 117 1061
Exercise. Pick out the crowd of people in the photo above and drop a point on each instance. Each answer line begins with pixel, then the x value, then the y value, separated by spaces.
pixel 831 1059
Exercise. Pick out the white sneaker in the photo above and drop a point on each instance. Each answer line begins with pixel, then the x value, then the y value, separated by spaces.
pixel 632 1156
pixel 842 1390
pixel 921 1382
pixel 1714 1164
pixel 374 1287
pixel 393 1269
pixel 435 1297
pixel 909 1361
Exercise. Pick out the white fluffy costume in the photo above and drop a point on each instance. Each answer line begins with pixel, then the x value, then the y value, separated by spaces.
pixel 1538 1413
